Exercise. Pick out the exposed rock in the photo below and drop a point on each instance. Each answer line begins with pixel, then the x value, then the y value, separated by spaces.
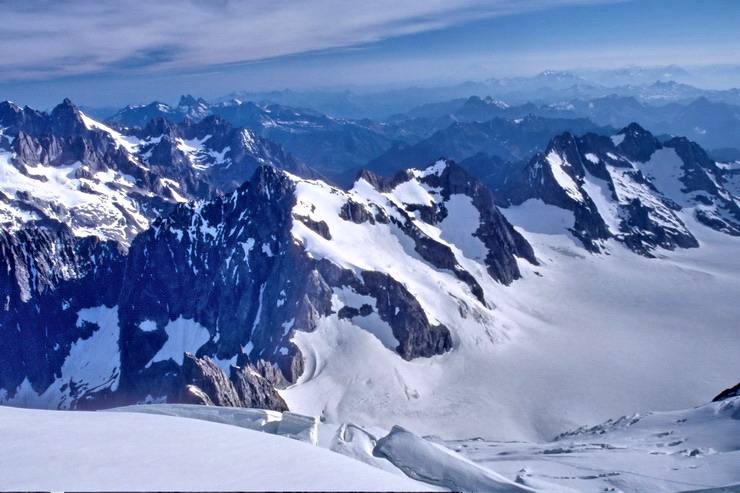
pixel 319 227
pixel 204 374
pixel 728 393
pixel 355 212
pixel 206 383
pixel 255 390
pixel 416 336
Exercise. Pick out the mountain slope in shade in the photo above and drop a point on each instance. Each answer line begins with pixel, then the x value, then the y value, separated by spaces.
pixel 507 139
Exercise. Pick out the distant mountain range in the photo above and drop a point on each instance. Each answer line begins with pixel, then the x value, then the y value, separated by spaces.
pixel 337 148
pixel 659 85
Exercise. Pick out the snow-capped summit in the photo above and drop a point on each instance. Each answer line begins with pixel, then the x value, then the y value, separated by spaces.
pixel 630 187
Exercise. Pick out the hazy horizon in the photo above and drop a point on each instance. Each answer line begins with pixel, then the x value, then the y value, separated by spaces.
pixel 118 53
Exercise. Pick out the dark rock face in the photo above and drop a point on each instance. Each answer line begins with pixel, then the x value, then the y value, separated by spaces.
pixel 203 374
pixel 222 265
pixel 416 336
pixel 503 242
pixel 205 383
pixel 728 393
pixel 637 143
pixel 45 277
pixel 227 269
pixel 255 390
pixel 537 179
pixel 702 177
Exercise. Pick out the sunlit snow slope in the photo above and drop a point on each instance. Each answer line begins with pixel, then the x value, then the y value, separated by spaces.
pixel 580 338
pixel 62 450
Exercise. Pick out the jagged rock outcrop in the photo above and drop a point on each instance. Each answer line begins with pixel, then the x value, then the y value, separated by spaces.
pixel 205 383
pixel 728 393
pixel 44 273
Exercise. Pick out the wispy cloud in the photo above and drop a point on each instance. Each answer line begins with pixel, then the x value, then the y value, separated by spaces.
pixel 42 39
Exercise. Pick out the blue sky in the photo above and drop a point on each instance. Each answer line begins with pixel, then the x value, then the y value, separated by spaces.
pixel 117 52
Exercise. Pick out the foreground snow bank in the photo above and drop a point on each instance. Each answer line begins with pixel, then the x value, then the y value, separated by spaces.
pixel 71 450
pixel 287 424
pixel 428 462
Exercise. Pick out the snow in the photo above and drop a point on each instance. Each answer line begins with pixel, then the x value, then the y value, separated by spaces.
pixel 183 335
pixel 534 216
pixel 225 364
pixel 666 451
pixel 598 190
pixel 127 142
pixel 298 426
pixel 359 443
pixel 287 424
pixel 411 192
pixel 617 139
pixel 664 170
pixel 372 322
pixel 87 201
pixel 425 461
pixel 580 338
pixel 148 326
pixel 72 450
pixel 247 247
pixel 557 163
pixel 435 169
pixel 627 188
pixel 460 225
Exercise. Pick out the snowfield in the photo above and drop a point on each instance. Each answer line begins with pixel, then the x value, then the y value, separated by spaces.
pixel 693 449
pixel 580 339
pixel 188 447
pixel 88 451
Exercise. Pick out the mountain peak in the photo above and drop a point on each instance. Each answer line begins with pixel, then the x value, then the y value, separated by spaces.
pixel 66 119
pixel 636 143
pixel 189 100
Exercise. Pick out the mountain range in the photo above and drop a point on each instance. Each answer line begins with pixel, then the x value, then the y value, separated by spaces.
pixel 137 267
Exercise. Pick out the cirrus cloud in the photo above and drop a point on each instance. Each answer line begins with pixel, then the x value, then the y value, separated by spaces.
pixel 44 39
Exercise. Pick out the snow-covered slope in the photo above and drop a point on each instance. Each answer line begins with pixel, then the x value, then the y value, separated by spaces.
pixel 83 451
pixel 694 449
pixel 586 337
pixel 388 304
pixel 411 300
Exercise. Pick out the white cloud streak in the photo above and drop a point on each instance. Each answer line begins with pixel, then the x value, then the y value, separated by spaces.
pixel 45 39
